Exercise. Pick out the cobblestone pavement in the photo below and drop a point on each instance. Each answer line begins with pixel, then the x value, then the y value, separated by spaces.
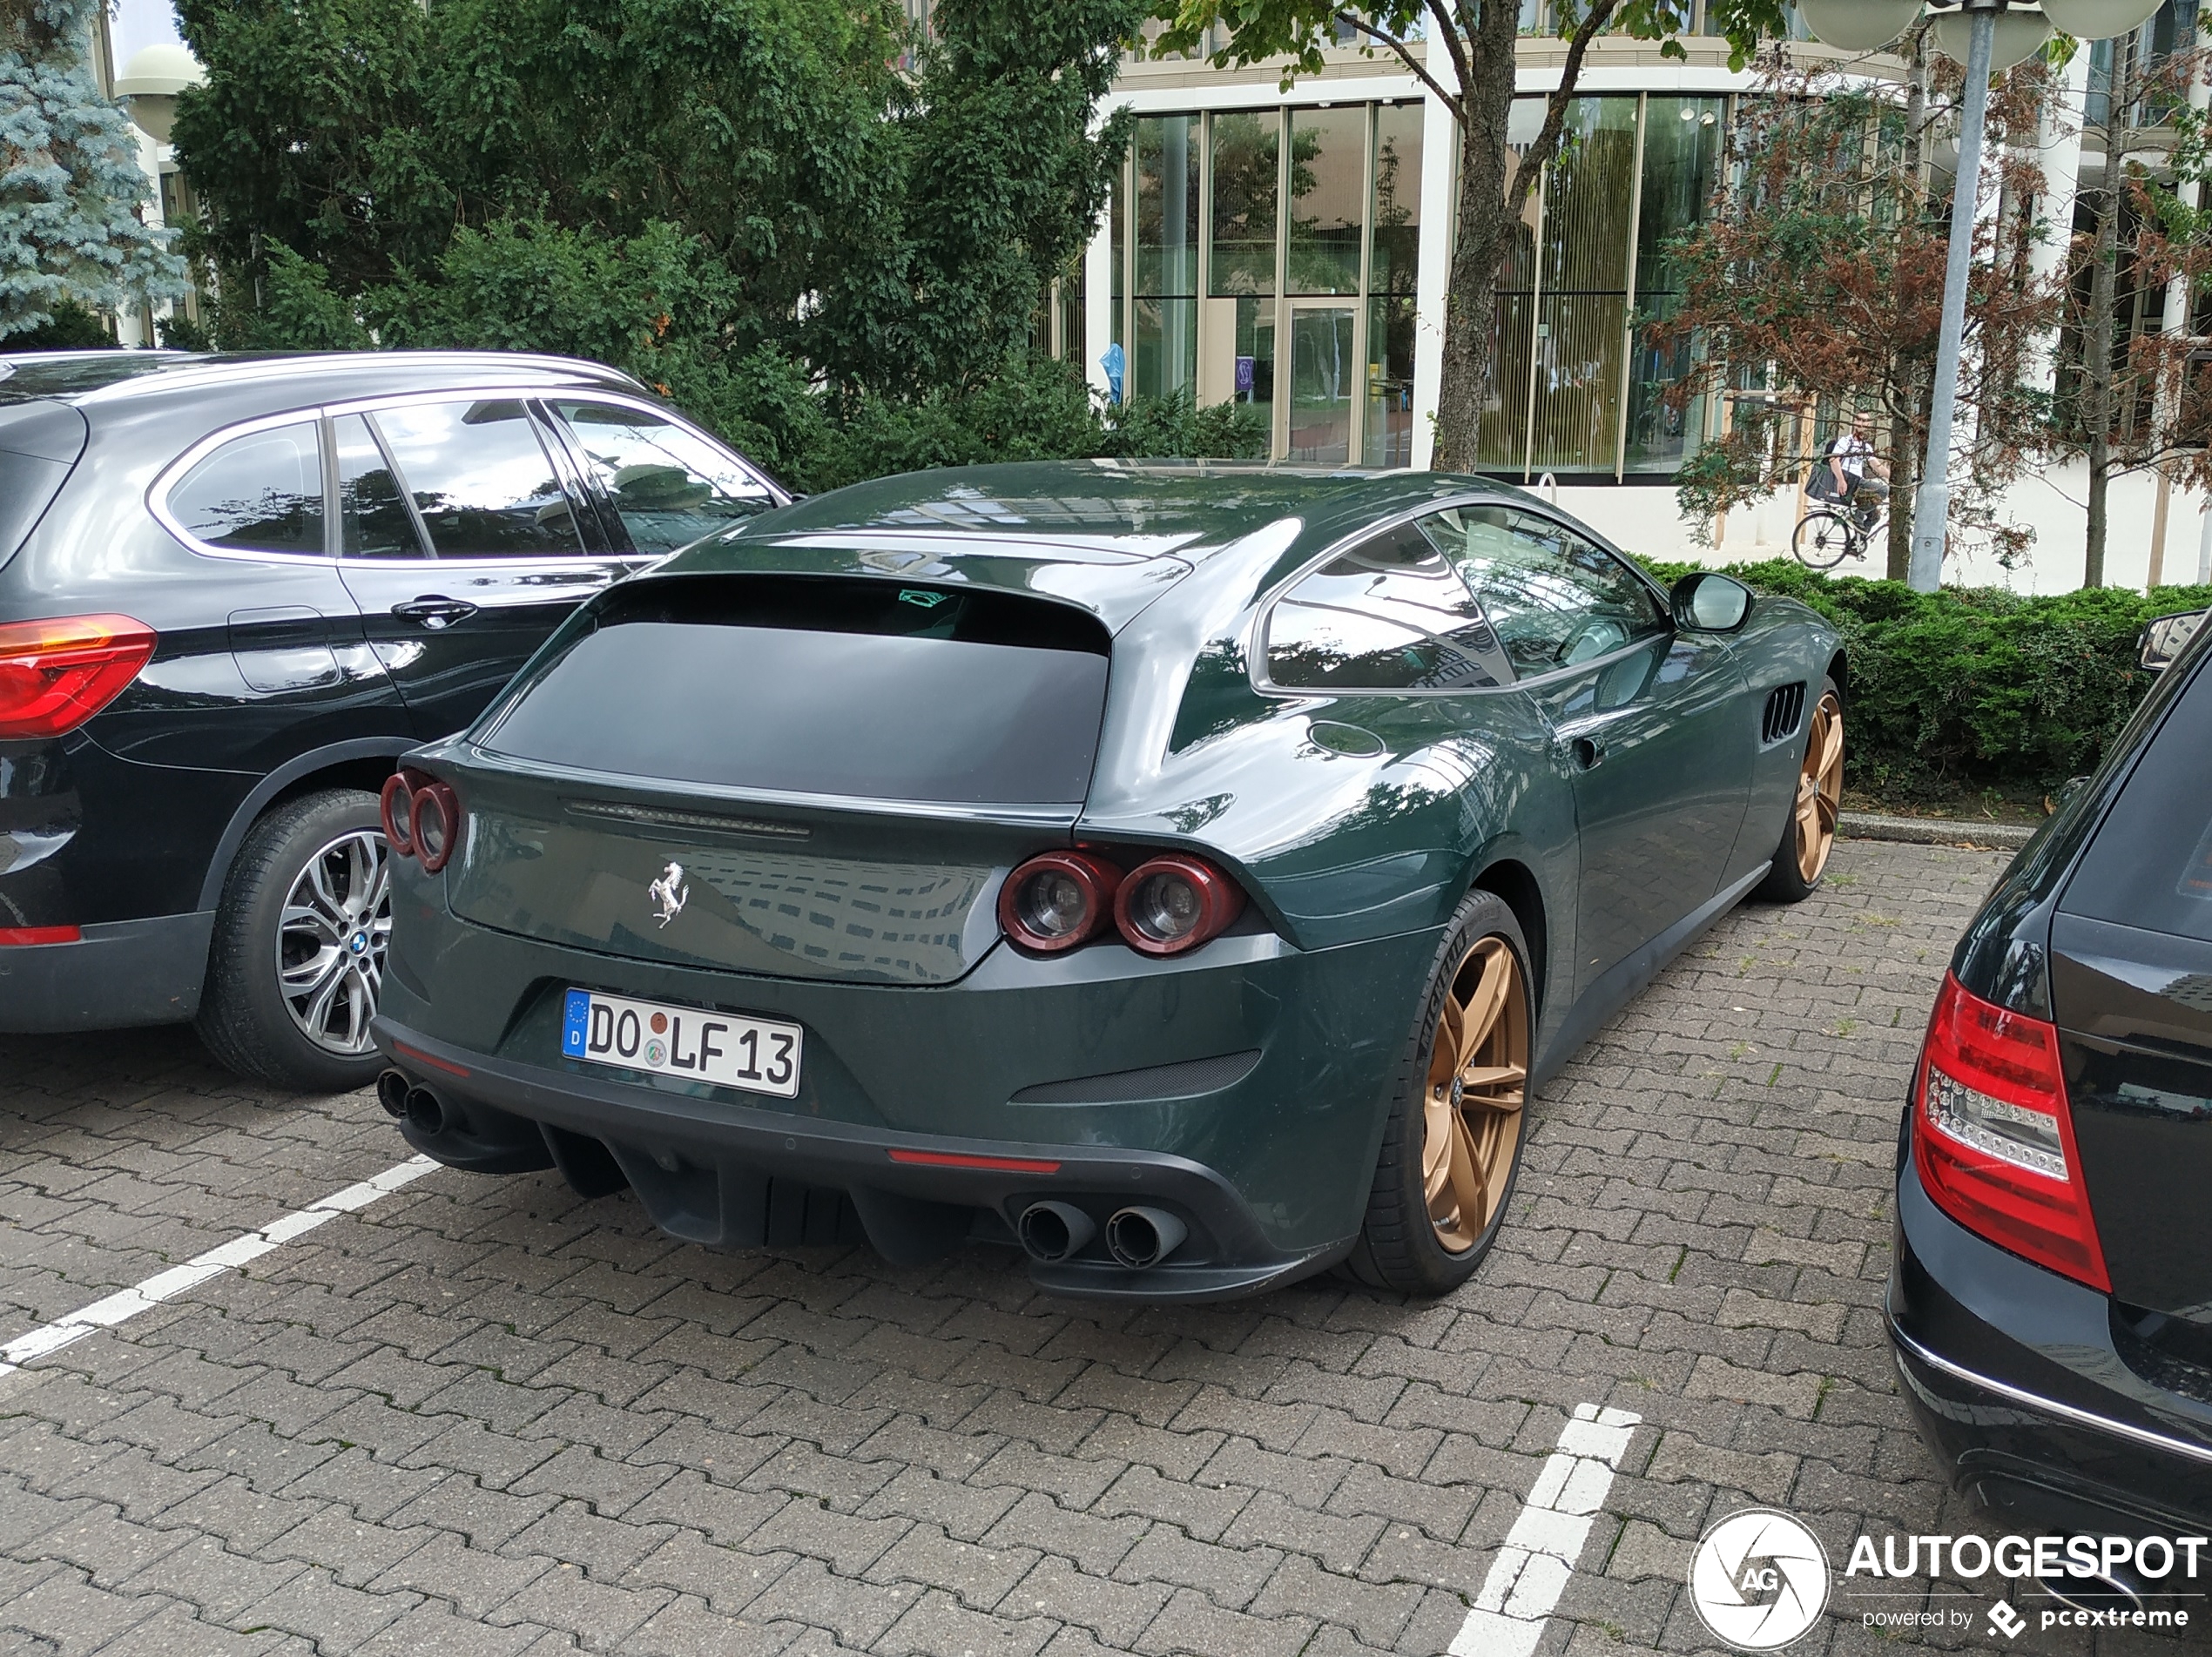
pixel 482 1416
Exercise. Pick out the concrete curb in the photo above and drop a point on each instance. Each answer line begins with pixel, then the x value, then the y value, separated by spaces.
pixel 1934 831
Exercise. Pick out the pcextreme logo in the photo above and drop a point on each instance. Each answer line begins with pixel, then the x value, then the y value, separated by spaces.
pixel 1758 1579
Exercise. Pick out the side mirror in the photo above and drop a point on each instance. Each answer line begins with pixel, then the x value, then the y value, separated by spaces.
pixel 1707 601
pixel 2164 637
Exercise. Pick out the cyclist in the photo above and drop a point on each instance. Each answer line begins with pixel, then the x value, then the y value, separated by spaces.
pixel 1856 474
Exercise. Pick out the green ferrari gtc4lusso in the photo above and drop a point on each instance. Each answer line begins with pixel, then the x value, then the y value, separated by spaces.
pixel 1189 873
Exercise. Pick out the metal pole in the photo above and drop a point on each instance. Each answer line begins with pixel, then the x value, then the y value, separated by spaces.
pixel 1931 503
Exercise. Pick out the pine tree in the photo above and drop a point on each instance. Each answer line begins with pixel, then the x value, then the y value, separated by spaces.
pixel 71 190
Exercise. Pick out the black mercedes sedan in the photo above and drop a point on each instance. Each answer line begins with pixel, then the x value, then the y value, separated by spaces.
pixel 2051 1296
pixel 232 590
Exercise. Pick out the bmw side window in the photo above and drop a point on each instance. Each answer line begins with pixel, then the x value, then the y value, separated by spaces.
pixel 482 483
pixel 1555 599
pixel 669 485
pixel 372 518
pixel 1390 614
pixel 259 493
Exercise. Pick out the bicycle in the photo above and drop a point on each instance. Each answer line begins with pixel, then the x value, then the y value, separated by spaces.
pixel 1833 532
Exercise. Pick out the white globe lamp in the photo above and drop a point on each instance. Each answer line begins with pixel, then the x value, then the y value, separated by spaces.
pixel 1857 25
pixel 2020 34
pixel 2099 19
pixel 149 85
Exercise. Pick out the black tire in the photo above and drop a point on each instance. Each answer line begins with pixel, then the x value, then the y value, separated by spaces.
pixel 1824 538
pixel 1785 881
pixel 1399 1247
pixel 245 1017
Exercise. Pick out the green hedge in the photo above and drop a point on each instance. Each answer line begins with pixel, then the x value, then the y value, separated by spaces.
pixel 1976 688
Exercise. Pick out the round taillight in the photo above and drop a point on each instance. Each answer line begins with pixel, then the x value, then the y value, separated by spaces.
pixel 1057 899
pixel 397 808
pixel 1175 903
pixel 437 825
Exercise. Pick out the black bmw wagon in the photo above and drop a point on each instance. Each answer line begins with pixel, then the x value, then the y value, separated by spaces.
pixel 233 590
pixel 2050 1299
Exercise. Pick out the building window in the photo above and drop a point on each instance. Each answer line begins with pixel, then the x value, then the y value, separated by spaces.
pixel 1393 265
pixel 1682 156
pixel 1166 285
pixel 1574 387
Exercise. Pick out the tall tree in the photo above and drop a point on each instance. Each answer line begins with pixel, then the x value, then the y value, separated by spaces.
pixel 1463 52
pixel 72 195
pixel 2141 400
pixel 1815 283
pixel 694 179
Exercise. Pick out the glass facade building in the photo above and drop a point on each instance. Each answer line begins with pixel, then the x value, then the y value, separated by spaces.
pixel 1274 256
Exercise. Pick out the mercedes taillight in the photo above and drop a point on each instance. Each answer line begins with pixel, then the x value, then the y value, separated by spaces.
pixel 1993 1139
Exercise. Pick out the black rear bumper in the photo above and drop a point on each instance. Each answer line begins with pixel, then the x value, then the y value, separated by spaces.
pixel 729 1176
pixel 118 974
pixel 2021 1388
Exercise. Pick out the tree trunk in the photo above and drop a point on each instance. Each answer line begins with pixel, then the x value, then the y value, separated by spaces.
pixel 2097 326
pixel 1485 229
pixel 1471 301
pixel 1905 472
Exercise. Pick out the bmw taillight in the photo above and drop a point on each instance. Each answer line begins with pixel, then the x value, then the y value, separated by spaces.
pixel 55 674
pixel 1993 1138
pixel 1058 899
pixel 1174 903
pixel 421 818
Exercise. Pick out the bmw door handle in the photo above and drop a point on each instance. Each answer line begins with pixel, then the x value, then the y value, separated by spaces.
pixel 434 610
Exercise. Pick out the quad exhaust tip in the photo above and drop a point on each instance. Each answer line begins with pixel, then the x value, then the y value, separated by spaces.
pixel 1052 1231
pixel 392 1089
pixel 2097 1591
pixel 425 1112
pixel 1138 1237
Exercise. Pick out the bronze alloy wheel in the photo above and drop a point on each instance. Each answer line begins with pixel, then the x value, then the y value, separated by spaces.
pixel 1478 1079
pixel 1820 788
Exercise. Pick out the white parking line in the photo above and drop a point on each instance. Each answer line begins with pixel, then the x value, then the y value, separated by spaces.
pixel 1538 1556
pixel 164 1285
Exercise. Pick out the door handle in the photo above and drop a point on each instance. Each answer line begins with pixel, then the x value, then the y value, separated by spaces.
pixel 434 610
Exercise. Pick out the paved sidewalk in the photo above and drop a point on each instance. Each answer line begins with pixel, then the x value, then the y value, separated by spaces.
pixel 480 1416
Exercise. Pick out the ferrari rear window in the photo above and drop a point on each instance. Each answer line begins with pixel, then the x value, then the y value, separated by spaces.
pixel 860 688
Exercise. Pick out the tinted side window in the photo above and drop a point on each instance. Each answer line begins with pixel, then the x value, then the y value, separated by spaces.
pixel 481 480
pixel 260 492
pixel 1390 614
pixel 372 518
pixel 2150 865
pixel 668 485
pixel 1554 598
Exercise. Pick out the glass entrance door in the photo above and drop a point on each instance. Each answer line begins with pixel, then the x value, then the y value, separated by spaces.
pixel 1324 383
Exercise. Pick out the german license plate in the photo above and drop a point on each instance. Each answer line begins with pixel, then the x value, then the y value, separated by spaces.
pixel 758 1055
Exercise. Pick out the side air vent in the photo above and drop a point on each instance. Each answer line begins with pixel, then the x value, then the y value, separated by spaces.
pixel 1785 708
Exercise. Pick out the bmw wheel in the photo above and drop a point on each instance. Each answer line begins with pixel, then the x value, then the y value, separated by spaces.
pixel 1451 1147
pixel 301 940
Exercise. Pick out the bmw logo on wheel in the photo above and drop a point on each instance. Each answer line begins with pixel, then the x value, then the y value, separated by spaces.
pixel 1759 1580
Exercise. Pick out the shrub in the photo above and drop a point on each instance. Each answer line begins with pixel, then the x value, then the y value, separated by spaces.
pixel 1976 687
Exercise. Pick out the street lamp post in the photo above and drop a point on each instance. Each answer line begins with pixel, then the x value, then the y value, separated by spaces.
pixel 1931 503
pixel 1861 26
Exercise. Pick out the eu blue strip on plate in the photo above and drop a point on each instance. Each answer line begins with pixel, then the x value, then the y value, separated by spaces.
pixel 576 1016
